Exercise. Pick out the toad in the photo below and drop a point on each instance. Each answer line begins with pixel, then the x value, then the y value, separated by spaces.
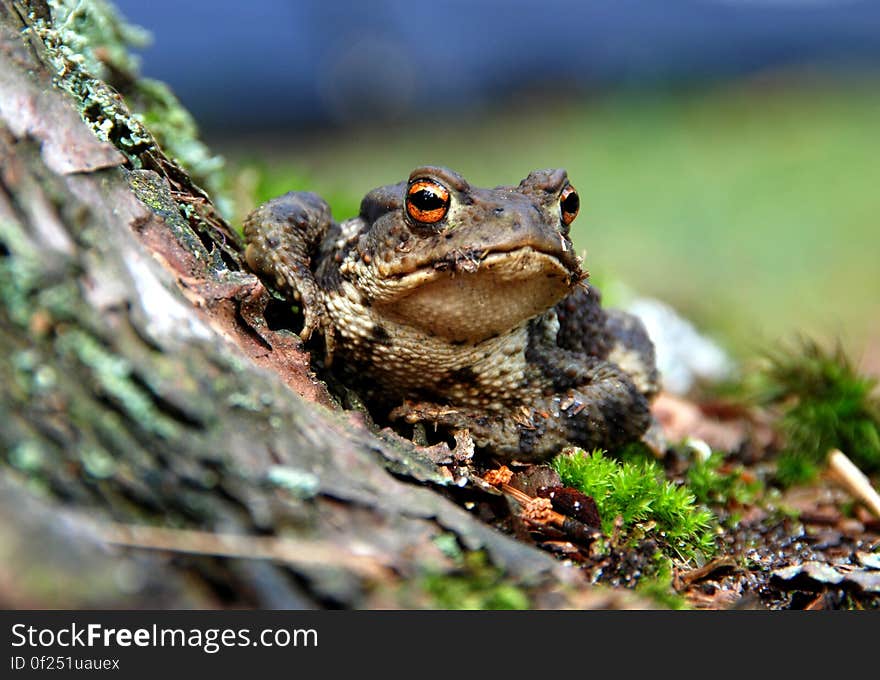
pixel 463 309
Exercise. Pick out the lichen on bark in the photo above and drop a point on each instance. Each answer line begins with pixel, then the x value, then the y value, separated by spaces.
pixel 89 45
pixel 145 390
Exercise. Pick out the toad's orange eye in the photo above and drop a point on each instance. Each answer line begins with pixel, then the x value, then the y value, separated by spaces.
pixel 427 201
pixel 569 204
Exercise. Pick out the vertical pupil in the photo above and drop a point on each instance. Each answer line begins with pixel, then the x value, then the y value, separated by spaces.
pixel 572 203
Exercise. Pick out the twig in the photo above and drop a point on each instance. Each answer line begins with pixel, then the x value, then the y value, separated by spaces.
pixel 534 509
pixel 854 480
pixel 537 510
pixel 291 551
pixel 687 578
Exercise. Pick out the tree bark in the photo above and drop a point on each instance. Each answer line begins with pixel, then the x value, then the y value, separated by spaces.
pixel 162 446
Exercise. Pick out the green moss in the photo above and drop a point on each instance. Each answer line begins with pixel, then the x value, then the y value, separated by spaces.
pixel 824 404
pixel 794 468
pixel 176 132
pixel 638 493
pixel 475 585
pixel 712 486
pixel 658 586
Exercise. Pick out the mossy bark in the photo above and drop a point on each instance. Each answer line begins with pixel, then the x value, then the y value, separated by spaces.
pixel 145 399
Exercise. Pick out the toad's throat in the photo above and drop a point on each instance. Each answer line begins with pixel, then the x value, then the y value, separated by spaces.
pixel 475 301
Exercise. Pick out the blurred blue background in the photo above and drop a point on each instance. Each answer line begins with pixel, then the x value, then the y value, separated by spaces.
pixel 315 61
pixel 726 152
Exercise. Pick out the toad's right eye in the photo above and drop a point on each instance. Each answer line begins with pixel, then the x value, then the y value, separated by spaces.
pixel 570 204
pixel 427 201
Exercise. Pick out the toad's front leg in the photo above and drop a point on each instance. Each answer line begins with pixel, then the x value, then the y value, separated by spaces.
pixel 595 404
pixel 284 236
pixel 592 404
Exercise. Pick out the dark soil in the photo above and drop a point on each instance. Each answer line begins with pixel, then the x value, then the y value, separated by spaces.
pixel 808 547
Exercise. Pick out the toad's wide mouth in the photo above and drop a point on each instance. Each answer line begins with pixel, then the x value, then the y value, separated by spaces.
pixel 479 298
pixel 468 258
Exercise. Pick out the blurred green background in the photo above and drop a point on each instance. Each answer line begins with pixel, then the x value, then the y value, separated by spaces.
pixel 726 152
pixel 752 208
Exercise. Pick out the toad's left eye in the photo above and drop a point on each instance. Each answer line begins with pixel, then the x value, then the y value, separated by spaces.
pixel 569 204
pixel 427 201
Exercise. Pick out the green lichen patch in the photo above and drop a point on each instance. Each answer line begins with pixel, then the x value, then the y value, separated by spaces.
pixel 112 375
pixel 88 45
pixel 18 277
pixel 152 191
pixel 28 456
pixel 638 493
pixel 300 484
pixel 95 37
pixel 97 463
pixel 175 130
pixel 22 273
